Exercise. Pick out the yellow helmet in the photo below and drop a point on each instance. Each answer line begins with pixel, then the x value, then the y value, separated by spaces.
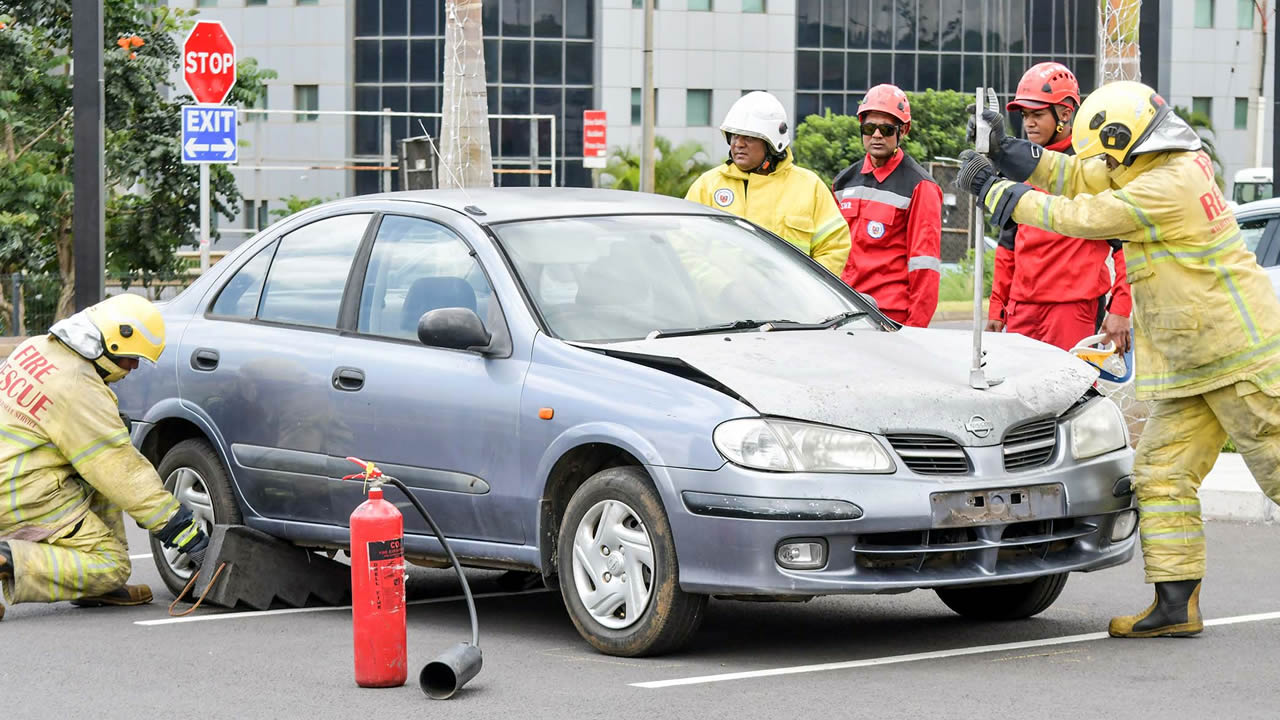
pixel 130 325
pixel 1116 118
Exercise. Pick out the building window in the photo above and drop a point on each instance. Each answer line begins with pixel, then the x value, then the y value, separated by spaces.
pixel 639 4
pixel 1203 105
pixel 308 2
pixel 637 108
pixel 753 6
pixel 1244 14
pixel 306 97
pixel 1204 13
pixel 252 3
pixel 206 3
pixel 697 108
pixel 700 5
pixel 1242 113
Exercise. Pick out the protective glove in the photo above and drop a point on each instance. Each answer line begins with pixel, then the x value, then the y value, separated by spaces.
pixel 1013 158
pixel 183 533
pixel 978 177
pixel 976 174
pixel 995 122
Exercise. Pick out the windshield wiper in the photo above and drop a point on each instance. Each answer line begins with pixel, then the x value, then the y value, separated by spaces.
pixel 840 318
pixel 730 326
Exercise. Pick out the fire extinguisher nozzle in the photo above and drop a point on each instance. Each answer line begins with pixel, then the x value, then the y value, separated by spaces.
pixel 445 675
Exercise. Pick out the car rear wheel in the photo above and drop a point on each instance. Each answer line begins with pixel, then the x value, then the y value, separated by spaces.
pixel 193 472
pixel 618 568
pixel 1005 602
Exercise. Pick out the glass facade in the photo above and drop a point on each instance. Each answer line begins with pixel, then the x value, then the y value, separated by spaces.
pixel 846 46
pixel 539 58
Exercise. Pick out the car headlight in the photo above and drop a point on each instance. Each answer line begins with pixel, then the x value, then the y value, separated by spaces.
pixel 1099 429
pixel 786 446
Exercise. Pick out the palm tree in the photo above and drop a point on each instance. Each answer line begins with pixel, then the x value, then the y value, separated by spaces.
pixel 1204 128
pixel 674 170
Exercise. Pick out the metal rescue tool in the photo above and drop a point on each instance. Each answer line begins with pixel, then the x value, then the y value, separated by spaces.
pixel 984 99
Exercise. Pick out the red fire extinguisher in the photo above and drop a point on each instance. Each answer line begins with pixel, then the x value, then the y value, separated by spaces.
pixel 377 586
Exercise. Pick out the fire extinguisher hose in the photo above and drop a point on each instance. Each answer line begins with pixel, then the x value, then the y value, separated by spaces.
pixel 462 578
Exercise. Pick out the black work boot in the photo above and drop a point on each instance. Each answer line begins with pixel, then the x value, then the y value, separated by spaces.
pixel 6 568
pixel 1175 613
pixel 121 596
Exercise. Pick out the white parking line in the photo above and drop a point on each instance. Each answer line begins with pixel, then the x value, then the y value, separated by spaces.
pixel 144 556
pixel 915 657
pixel 328 608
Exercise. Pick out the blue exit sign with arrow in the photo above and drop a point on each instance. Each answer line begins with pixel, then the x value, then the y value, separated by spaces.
pixel 209 134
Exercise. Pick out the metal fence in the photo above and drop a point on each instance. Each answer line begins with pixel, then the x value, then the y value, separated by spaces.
pixel 29 302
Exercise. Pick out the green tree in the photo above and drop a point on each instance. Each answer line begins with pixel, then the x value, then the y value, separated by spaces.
pixel 294 204
pixel 675 169
pixel 1204 128
pixel 829 143
pixel 152 198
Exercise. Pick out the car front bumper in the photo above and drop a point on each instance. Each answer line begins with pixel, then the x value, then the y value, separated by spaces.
pixel 728 524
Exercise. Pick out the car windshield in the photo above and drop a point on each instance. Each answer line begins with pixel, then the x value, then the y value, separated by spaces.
pixel 605 279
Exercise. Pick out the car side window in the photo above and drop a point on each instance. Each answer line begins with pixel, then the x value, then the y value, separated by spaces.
pixel 239 297
pixel 418 266
pixel 1251 232
pixel 309 272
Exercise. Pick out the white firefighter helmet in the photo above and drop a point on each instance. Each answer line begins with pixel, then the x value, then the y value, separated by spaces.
pixel 758 114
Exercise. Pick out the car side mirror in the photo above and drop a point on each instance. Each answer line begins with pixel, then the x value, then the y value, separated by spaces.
pixel 454 328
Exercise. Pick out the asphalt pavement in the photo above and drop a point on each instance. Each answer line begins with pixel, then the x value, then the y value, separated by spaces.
pixel 885 656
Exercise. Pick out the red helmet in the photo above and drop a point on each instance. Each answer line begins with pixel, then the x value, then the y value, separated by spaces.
pixel 886 99
pixel 1045 84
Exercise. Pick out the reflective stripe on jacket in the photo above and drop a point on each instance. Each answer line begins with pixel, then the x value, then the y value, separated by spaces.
pixel 1041 266
pixel 61 438
pixel 791 202
pixel 895 221
pixel 1205 314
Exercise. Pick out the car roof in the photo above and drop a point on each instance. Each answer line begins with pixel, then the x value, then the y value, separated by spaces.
pixel 508 204
pixel 1269 206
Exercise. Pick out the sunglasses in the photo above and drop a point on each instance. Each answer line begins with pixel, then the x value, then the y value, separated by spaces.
pixel 886 129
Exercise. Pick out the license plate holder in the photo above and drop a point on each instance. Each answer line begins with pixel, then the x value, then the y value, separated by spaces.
pixel 997 506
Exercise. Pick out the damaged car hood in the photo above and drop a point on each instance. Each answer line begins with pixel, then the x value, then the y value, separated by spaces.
pixel 912 380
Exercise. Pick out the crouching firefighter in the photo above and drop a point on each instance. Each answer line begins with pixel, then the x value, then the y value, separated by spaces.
pixel 1206 319
pixel 67 468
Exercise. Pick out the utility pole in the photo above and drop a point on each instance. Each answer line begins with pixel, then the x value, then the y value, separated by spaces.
pixel 88 249
pixel 465 156
pixel 1259 136
pixel 647 103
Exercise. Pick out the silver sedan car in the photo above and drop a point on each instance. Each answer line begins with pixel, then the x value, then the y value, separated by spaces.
pixel 645 402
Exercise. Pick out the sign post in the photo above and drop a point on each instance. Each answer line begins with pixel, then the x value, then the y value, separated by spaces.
pixel 594 138
pixel 209 130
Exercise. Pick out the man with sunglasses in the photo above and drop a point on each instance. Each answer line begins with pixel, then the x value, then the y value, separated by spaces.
pixel 894 211
pixel 1048 286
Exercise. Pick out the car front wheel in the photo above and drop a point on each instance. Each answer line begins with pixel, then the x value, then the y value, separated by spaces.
pixel 193 472
pixel 1005 602
pixel 618 569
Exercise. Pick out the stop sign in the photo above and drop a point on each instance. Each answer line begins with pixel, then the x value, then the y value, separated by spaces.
pixel 209 62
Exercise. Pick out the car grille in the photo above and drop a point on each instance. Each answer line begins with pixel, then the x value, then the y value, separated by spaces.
pixel 930 454
pixel 920 551
pixel 1030 445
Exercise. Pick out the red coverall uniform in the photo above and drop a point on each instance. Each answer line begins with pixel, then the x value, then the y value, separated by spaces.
pixel 895 224
pixel 1051 287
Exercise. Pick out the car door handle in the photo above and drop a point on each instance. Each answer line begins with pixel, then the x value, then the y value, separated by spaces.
pixel 204 359
pixel 348 378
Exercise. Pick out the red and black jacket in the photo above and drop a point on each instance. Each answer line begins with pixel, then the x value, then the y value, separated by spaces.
pixel 1040 266
pixel 895 225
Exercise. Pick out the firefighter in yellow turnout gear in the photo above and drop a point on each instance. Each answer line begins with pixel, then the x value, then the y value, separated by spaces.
pixel 1206 320
pixel 67 468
